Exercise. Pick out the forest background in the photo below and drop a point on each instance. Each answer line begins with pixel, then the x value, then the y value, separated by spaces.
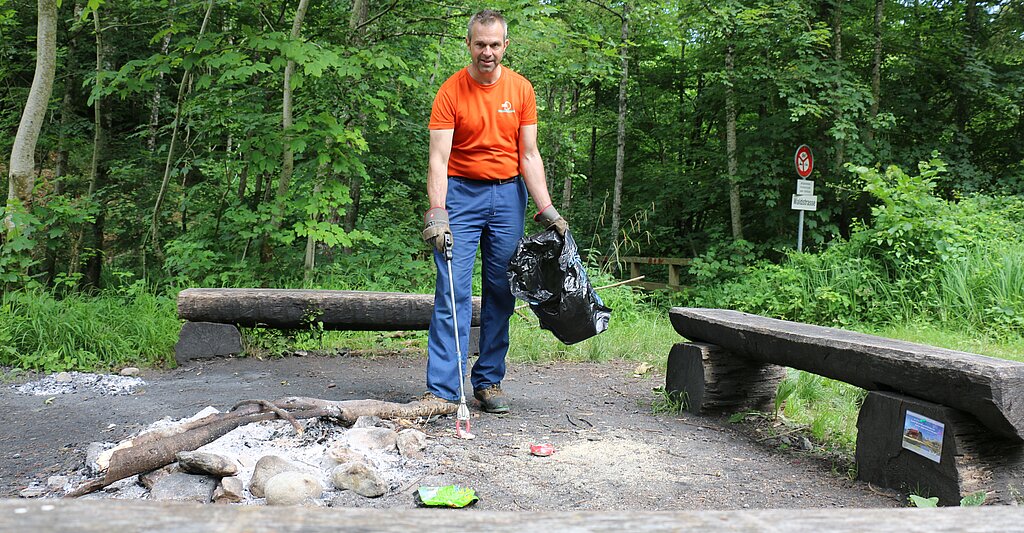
pixel 283 144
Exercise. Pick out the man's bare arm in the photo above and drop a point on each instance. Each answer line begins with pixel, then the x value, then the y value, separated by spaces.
pixel 437 171
pixel 532 166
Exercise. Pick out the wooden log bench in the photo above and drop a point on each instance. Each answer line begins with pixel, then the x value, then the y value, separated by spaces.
pixel 117 516
pixel 214 315
pixel 935 422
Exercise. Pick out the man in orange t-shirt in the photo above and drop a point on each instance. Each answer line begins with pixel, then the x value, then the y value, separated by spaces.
pixel 483 160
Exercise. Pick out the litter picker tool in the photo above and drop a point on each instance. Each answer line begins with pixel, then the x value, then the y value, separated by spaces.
pixel 463 413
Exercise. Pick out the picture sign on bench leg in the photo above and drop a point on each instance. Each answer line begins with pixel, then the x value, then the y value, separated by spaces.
pixel 928 449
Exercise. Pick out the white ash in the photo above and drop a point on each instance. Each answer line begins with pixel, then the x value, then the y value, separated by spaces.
pixel 246 444
pixel 71 382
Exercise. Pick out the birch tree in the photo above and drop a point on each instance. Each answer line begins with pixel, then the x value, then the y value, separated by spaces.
pixel 22 170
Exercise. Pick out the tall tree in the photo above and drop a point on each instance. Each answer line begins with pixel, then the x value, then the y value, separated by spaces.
pixel 876 69
pixel 735 210
pixel 154 229
pixel 22 171
pixel 288 156
pixel 98 166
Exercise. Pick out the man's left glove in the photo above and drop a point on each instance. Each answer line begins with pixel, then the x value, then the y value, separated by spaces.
pixel 550 219
pixel 435 228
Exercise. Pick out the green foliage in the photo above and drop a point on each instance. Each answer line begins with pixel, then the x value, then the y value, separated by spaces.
pixel 974 499
pixel 828 407
pixel 920 257
pixel 665 402
pixel 130 326
pixel 919 501
pixel 637 331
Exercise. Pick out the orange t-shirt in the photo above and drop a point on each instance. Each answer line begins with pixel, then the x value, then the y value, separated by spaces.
pixel 486 120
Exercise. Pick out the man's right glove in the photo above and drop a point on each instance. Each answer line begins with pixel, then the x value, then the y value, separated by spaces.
pixel 549 218
pixel 435 228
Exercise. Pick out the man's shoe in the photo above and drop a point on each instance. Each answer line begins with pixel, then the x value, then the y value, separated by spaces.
pixel 492 399
pixel 430 397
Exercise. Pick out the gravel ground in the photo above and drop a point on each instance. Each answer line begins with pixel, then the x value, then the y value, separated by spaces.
pixel 612 452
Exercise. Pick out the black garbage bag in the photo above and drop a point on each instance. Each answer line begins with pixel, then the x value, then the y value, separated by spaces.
pixel 546 272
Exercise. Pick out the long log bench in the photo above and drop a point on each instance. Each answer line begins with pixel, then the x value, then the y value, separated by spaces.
pixel 971 406
pixel 214 315
pixel 116 516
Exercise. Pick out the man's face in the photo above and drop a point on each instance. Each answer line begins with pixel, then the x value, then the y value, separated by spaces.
pixel 487 46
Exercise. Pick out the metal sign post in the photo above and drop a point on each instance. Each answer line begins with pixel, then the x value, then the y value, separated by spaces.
pixel 804 199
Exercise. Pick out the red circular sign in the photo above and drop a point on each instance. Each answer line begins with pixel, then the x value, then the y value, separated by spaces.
pixel 804 161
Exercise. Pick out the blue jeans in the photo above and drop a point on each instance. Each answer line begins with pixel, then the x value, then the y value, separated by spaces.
pixel 491 216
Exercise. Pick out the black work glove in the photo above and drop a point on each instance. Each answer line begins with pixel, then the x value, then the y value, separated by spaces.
pixel 549 218
pixel 436 230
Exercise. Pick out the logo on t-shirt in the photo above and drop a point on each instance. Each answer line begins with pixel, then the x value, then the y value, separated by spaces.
pixel 506 108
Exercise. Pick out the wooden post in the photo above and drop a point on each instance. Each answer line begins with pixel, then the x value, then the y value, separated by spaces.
pixel 968 458
pixel 673 275
pixel 634 270
pixel 711 380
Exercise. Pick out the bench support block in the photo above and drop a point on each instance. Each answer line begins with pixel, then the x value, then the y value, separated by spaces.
pixel 206 339
pixel 972 458
pixel 713 381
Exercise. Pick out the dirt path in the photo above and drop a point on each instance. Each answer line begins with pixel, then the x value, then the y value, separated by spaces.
pixel 612 452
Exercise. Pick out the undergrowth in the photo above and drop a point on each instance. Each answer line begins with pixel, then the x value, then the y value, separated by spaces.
pixel 127 327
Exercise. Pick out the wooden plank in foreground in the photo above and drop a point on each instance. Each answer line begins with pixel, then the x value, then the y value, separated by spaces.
pixel 296 309
pixel 114 516
pixel 990 389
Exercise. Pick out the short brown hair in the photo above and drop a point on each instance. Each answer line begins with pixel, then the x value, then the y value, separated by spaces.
pixel 486 18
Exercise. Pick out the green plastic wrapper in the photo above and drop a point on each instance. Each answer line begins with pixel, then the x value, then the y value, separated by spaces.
pixel 447 496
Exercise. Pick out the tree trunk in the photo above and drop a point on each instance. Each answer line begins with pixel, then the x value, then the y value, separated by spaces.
pixel 97 168
pixel 876 69
pixel 968 54
pixel 620 145
pixel 22 170
pixel 310 261
pixel 154 231
pixel 154 103
pixel 837 56
pixel 288 158
pixel 61 162
pixel 358 16
pixel 730 145
pixel 574 109
pixel 297 309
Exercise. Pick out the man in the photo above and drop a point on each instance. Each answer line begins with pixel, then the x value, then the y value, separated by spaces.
pixel 483 160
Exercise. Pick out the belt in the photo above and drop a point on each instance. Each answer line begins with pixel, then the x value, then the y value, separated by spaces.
pixel 488 182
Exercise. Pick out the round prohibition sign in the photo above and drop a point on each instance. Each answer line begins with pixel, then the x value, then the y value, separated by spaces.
pixel 804 161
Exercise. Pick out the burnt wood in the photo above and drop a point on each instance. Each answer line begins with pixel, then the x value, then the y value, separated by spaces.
pixel 116 516
pixel 710 380
pixel 990 389
pixel 970 458
pixel 298 309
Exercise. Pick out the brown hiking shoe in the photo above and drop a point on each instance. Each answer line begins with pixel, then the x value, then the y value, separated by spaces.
pixel 437 405
pixel 492 399
pixel 430 397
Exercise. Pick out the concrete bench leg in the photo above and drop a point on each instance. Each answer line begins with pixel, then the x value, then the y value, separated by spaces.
pixel 206 339
pixel 714 381
pixel 967 458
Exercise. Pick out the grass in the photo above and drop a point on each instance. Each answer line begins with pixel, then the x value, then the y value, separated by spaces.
pixel 116 329
pixel 647 338
pixel 134 327
pixel 830 408
pixel 1006 347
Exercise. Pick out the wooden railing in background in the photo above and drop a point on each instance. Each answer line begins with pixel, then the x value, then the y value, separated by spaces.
pixel 635 263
